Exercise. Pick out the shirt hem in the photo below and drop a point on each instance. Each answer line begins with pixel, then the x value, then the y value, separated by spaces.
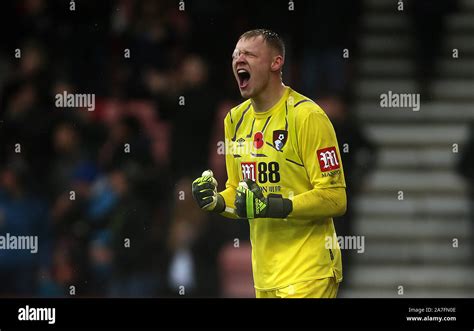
pixel 330 275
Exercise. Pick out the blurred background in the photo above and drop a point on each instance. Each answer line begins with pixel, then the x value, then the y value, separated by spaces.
pixel 117 223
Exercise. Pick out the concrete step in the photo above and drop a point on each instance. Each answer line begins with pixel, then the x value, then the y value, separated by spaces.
pixel 434 158
pixel 461 21
pixel 385 21
pixel 466 5
pixel 433 181
pixel 429 112
pixel 439 135
pixel 464 43
pixel 453 89
pixel 385 67
pixel 436 253
pixel 461 68
pixel 413 205
pixel 372 88
pixel 413 277
pixel 386 45
pixel 414 228
pixel 409 242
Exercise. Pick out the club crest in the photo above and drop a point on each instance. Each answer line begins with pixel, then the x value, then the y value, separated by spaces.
pixel 279 139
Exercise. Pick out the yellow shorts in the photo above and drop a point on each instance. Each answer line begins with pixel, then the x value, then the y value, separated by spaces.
pixel 318 288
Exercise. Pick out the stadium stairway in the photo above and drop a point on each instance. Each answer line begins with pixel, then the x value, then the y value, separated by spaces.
pixel 410 242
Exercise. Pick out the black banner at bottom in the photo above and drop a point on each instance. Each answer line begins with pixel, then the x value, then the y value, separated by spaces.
pixel 136 314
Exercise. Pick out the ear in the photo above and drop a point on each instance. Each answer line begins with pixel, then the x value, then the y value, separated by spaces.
pixel 277 63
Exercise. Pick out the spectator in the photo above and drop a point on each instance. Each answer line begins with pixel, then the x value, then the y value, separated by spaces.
pixel 22 213
pixel 193 248
pixel 428 20
pixel 322 43
pixel 194 116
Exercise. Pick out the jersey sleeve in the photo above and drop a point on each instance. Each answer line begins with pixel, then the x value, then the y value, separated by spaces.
pixel 232 172
pixel 319 149
pixel 319 152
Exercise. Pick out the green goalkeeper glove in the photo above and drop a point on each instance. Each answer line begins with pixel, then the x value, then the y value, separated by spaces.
pixel 250 202
pixel 205 193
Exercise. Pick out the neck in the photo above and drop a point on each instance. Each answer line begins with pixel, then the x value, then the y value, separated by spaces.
pixel 268 97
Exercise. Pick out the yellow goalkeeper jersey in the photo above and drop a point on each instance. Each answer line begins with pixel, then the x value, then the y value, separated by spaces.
pixel 289 149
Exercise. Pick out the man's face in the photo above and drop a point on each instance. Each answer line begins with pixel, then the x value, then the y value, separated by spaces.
pixel 251 63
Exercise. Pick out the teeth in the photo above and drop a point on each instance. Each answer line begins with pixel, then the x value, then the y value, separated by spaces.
pixel 241 71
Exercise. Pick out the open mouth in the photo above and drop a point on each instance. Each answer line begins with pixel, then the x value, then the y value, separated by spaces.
pixel 244 77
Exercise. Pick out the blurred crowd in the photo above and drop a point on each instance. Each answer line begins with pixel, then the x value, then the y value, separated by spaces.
pixel 108 191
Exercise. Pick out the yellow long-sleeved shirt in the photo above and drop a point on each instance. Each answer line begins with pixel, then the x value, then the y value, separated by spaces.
pixel 291 150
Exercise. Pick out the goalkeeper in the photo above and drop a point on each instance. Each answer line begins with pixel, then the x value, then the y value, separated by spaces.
pixel 284 175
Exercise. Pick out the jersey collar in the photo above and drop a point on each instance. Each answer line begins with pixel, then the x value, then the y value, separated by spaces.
pixel 276 106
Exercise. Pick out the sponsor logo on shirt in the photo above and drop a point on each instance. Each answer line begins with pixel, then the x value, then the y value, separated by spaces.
pixel 249 170
pixel 328 159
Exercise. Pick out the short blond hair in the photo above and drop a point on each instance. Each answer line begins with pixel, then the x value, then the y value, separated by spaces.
pixel 270 37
